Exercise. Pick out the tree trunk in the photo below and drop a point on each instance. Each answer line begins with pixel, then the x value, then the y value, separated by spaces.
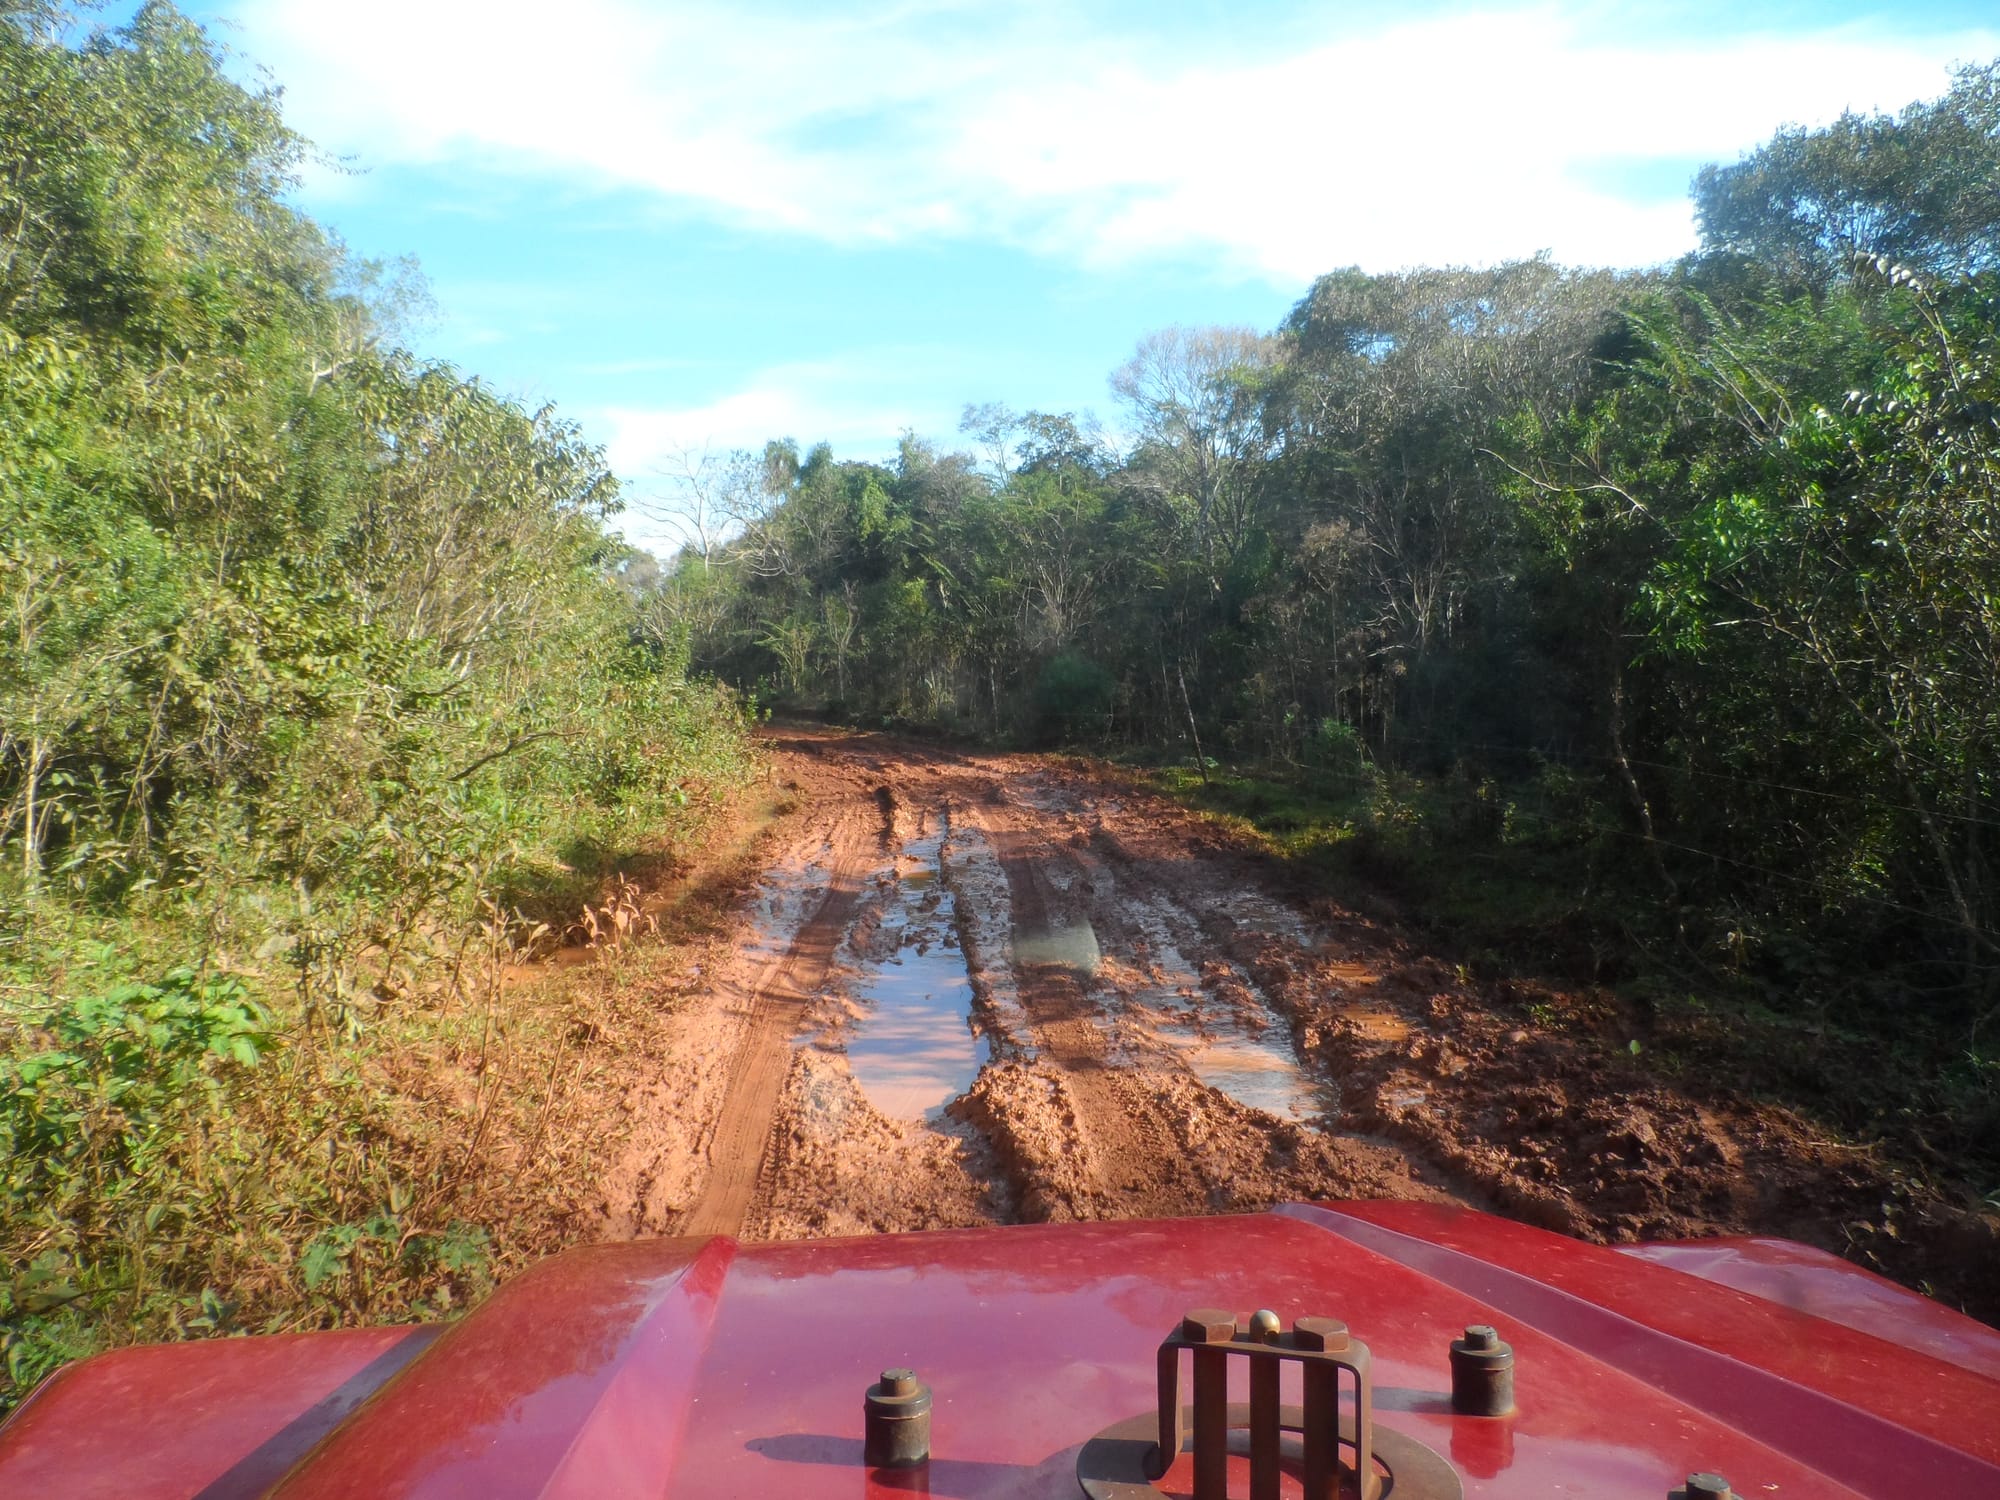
pixel 1634 790
pixel 1194 734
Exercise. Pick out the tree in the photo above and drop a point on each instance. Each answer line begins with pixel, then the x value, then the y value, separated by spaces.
pixel 1392 394
pixel 1195 396
pixel 1916 187
pixel 1863 552
pixel 710 496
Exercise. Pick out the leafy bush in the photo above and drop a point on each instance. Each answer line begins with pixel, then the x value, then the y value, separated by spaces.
pixel 107 1093
pixel 1335 750
pixel 1073 700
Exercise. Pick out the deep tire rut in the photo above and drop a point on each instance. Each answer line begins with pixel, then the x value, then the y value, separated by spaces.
pixel 777 1003
pixel 1127 969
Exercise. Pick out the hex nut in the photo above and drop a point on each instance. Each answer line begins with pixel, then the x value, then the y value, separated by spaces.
pixel 1323 1335
pixel 1208 1325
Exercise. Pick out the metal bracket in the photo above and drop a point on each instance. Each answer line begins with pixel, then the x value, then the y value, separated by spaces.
pixel 1342 1458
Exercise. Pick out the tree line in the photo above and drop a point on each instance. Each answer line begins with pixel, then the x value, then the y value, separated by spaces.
pixel 316 677
pixel 1691 570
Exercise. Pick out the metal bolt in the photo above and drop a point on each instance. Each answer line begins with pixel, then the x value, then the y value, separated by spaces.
pixel 1712 1485
pixel 1326 1335
pixel 1264 1326
pixel 896 1421
pixel 1482 1373
pixel 1208 1325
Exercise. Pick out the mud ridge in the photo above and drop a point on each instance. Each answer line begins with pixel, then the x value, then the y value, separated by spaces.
pixel 981 988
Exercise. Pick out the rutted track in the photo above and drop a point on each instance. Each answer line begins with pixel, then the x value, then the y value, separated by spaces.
pixel 1097 990
pixel 978 988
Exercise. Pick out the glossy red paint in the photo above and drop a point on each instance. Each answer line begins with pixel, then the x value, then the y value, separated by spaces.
pixel 1811 1386
pixel 573 1381
pixel 699 1368
pixel 222 1419
pixel 1825 1286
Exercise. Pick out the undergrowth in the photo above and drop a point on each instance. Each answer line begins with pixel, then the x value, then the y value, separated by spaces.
pixel 1541 880
pixel 238 1109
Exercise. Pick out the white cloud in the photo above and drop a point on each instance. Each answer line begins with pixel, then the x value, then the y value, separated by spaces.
pixel 811 402
pixel 1460 138
pixel 856 403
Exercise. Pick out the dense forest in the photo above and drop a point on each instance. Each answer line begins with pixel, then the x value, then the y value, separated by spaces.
pixel 314 672
pixel 1644 626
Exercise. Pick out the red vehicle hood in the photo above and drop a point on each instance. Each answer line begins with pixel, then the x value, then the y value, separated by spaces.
pixel 708 1368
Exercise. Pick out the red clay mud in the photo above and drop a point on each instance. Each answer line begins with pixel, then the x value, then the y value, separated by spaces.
pixel 1160 1025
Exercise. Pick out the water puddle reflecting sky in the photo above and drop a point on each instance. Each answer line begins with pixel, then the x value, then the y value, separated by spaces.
pixel 1249 1057
pixel 912 1049
pixel 1259 1071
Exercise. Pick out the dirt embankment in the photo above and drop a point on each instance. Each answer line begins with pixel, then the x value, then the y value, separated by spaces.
pixel 985 988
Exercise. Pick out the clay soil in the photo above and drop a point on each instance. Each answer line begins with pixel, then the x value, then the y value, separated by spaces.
pixel 1157 1021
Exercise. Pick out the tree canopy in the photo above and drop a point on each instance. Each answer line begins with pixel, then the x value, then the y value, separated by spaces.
pixel 1712 542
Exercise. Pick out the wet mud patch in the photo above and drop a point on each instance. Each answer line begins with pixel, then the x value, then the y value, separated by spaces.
pixel 837 1165
pixel 909 1040
pixel 1257 1071
pixel 1028 1116
pixel 1205 1036
pixel 969 867
pixel 863 1141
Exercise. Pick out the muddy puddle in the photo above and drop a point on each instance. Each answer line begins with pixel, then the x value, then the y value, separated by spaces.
pixel 1261 1073
pixel 1073 947
pixel 912 1047
pixel 1222 1029
pixel 1252 1063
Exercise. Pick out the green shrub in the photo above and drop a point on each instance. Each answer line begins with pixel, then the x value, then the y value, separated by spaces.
pixel 1073 700
pixel 94 1111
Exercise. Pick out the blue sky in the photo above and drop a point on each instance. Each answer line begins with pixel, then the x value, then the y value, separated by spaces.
pixel 705 225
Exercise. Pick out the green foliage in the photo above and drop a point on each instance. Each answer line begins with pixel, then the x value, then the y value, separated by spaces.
pixel 1916 188
pixel 88 1107
pixel 315 670
pixel 1337 751
pixel 98 1106
pixel 1073 699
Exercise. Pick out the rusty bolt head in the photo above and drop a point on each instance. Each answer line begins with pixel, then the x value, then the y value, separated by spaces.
pixel 899 1382
pixel 1327 1335
pixel 1264 1326
pixel 1208 1325
pixel 1482 1336
pixel 1713 1485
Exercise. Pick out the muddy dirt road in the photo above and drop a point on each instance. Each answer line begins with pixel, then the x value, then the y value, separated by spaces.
pixel 978 988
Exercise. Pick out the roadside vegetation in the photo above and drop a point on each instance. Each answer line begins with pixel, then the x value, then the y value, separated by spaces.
pixel 1637 631
pixel 1633 629
pixel 322 698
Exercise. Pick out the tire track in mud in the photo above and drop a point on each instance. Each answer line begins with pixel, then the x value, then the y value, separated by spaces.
pixel 1114 948
pixel 1122 1160
pixel 1143 1136
pixel 776 1003
pixel 894 1034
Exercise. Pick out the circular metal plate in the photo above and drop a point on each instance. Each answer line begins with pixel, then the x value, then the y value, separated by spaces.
pixel 1112 1465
